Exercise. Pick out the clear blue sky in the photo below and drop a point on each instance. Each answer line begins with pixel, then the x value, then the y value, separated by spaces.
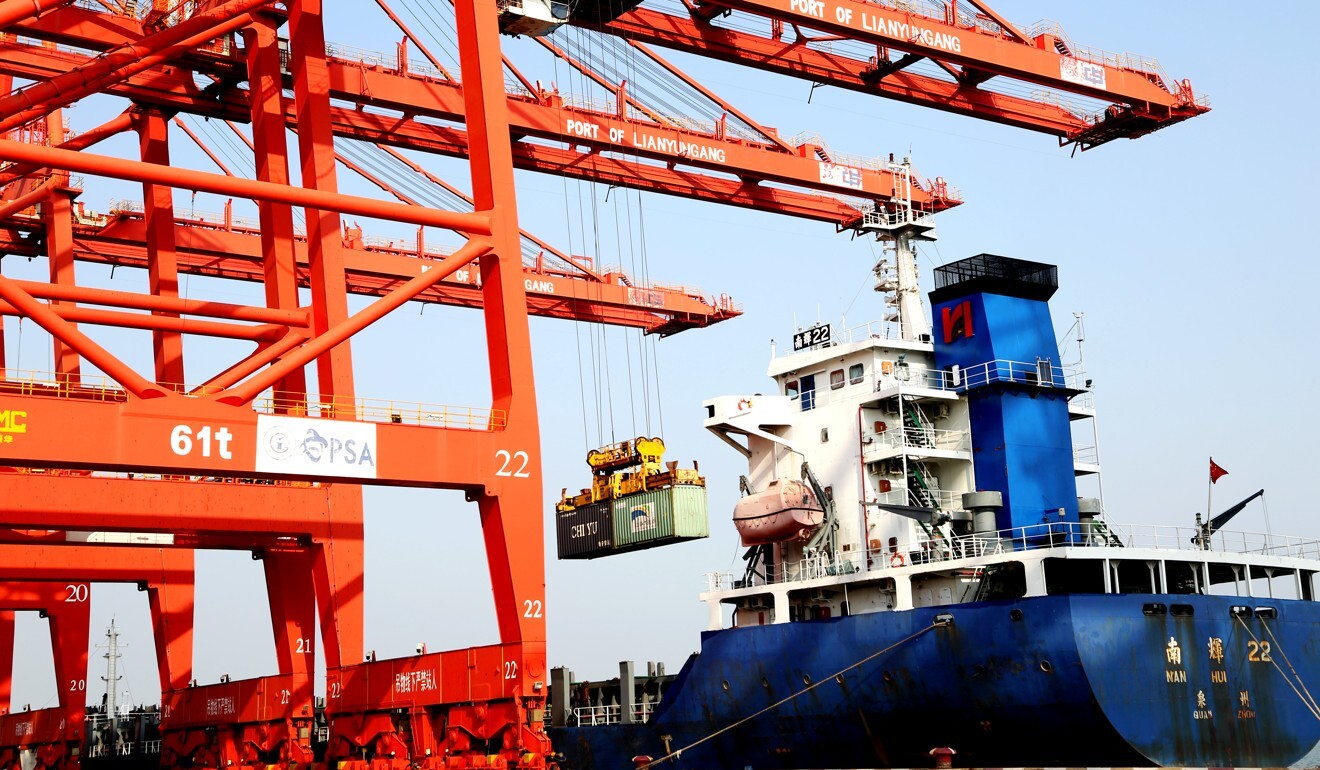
pixel 1189 251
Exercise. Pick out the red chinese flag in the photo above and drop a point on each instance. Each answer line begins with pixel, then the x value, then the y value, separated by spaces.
pixel 1216 471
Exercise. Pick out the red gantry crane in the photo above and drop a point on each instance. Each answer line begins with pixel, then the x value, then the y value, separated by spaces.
pixel 259 452
pixel 167 577
pixel 54 736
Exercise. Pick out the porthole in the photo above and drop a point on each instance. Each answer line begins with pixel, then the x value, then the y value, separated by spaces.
pixel 765 683
pixel 1015 614
pixel 838 678
pixel 1046 666
pixel 726 685
pixel 806 679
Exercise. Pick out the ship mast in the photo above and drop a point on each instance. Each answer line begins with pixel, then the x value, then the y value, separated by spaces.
pixel 111 679
pixel 899 226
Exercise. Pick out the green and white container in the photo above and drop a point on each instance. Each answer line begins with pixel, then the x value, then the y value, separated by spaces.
pixel 660 517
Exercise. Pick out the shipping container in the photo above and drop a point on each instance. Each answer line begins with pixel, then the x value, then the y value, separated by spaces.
pixel 586 532
pixel 660 517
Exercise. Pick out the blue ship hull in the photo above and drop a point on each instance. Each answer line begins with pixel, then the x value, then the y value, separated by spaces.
pixel 1080 680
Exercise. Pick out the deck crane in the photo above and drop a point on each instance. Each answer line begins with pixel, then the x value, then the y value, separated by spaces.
pixel 959 56
pixel 472 707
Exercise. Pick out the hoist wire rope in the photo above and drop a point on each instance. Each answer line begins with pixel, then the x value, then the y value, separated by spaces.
pixel 603 361
pixel 651 84
pixel 1310 706
pixel 437 31
pixel 624 109
pixel 627 346
pixel 575 81
pixel 240 157
pixel 835 677
pixel 413 182
pixel 626 62
pixel 577 327
pixel 655 364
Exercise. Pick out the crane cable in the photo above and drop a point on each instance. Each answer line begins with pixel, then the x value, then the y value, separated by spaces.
pixel 1306 699
pixel 577 328
pixel 835 677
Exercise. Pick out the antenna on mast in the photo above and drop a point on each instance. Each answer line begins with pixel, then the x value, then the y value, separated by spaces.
pixel 111 679
pixel 900 225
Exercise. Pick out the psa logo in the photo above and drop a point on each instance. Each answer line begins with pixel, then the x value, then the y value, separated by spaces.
pixel 957 321
pixel 12 421
pixel 312 447
pixel 281 444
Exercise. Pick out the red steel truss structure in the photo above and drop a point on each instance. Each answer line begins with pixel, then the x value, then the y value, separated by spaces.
pixel 974 61
pixel 266 454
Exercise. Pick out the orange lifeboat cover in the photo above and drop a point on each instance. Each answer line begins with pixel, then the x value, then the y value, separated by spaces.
pixel 786 510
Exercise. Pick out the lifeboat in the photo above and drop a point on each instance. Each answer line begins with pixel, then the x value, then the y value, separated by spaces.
pixel 784 511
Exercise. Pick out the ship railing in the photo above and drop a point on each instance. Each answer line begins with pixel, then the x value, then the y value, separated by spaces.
pixel 1086 455
pixel 595 716
pixel 810 567
pixel 1084 400
pixel 875 330
pixel 719 581
pixel 151 747
pixel 1143 536
pixel 1042 373
pixel 901 374
pixel 908 437
pixel 945 500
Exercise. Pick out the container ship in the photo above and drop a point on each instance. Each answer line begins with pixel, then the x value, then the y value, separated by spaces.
pixel 921 572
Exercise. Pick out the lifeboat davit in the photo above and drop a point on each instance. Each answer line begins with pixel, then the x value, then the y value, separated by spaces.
pixel 784 511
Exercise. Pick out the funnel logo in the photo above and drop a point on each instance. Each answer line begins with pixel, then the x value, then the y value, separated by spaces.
pixel 316 447
pixel 957 321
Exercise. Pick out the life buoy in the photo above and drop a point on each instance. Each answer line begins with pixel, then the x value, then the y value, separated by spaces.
pixel 744 404
pixel 897 560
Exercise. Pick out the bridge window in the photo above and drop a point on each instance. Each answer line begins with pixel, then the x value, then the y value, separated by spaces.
pixel 1274 583
pixel 1134 577
pixel 836 379
pixel 1227 580
pixel 1074 576
pixel 1183 577
pixel 791 389
pixel 855 374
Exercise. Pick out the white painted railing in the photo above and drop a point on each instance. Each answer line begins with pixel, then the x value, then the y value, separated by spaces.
pixel 925 550
pixel 592 716
pixel 919 438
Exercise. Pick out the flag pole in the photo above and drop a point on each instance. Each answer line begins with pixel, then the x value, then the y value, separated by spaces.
pixel 1209 496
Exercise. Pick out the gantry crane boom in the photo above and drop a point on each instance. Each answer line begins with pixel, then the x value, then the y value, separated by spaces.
pixel 969 48
pixel 615 148
pixel 222 247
